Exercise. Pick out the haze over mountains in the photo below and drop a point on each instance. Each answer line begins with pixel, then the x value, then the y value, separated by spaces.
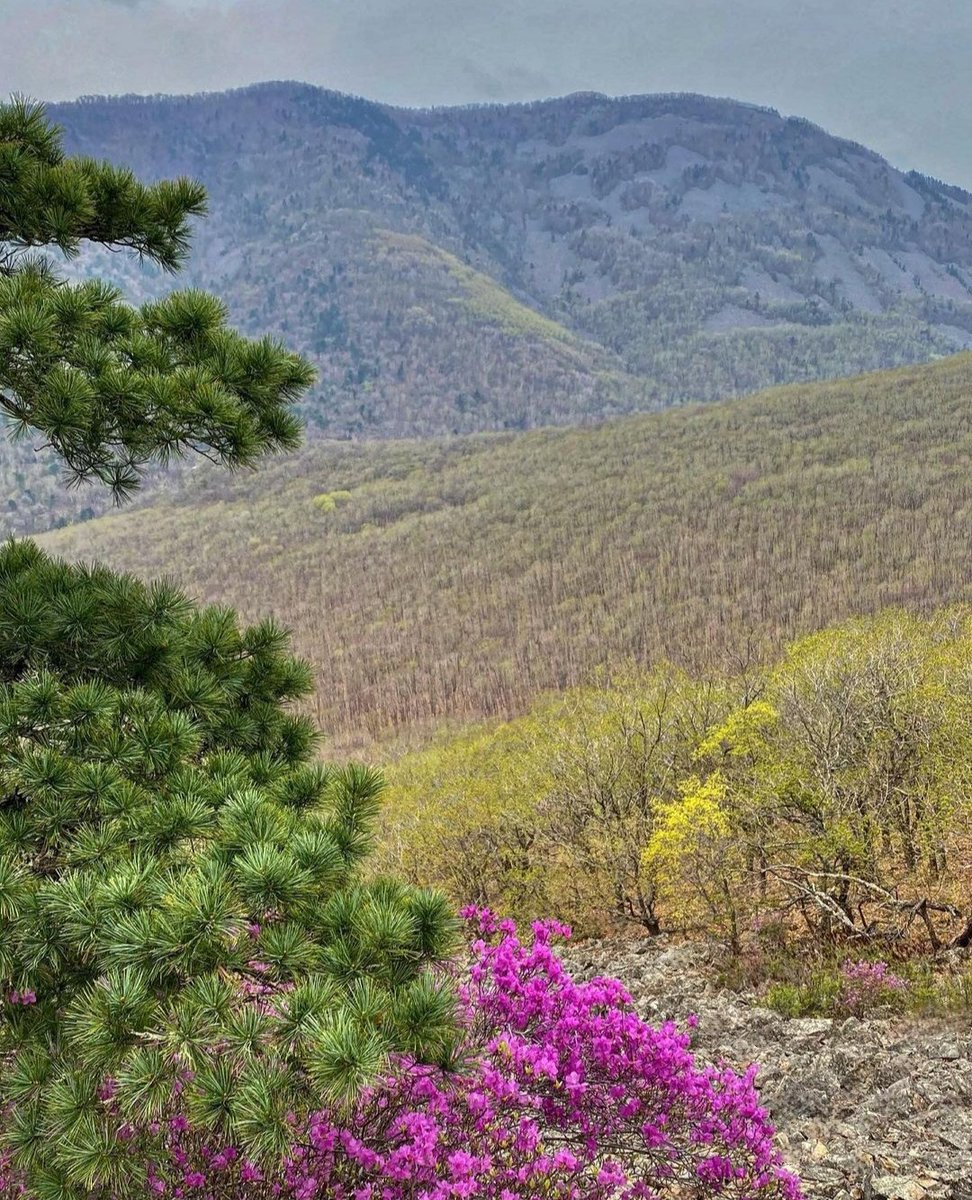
pixel 686 248
pixel 502 267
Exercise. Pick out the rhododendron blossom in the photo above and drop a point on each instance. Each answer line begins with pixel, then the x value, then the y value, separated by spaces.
pixel 567 1094
pixel 865 985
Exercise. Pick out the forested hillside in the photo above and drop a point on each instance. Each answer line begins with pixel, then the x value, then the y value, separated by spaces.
pixel 679 248
pixel 454 579
pixel 703 670
pixel 559 262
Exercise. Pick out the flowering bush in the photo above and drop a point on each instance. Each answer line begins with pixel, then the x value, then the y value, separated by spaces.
pixel 566 1094
pixel 867 985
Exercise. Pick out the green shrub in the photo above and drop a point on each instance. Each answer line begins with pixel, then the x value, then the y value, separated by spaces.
pixel 328 501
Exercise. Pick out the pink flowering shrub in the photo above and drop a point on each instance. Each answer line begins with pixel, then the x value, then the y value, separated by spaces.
pixel 867 985
pixel 567 1094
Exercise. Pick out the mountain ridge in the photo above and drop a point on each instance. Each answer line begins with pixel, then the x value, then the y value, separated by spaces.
pixel 590 209
pixel 562 261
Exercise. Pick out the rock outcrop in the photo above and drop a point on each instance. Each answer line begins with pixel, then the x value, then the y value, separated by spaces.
pixel 866 1109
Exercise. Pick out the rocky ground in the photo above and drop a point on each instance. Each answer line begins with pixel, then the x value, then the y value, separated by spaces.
pixel 866 1109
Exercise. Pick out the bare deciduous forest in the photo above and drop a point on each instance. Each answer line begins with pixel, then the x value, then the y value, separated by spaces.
pixel 441 581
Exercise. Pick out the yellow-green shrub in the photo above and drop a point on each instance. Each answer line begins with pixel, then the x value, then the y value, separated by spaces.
pixel 834 792
pixel 328 501
pixel 551 813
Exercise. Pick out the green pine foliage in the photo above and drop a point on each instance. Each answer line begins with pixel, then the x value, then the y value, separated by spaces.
pixel 172 863
pixel 182 910
pixel 112 387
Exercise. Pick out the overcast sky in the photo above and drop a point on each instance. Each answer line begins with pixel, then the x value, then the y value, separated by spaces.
pixel 893 74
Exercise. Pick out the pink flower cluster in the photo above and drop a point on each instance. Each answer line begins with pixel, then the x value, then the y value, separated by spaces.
pixel 865 985
pixel 568 1094
pixel 25 998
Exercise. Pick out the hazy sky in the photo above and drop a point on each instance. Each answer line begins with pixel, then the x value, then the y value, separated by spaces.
pixel 893 74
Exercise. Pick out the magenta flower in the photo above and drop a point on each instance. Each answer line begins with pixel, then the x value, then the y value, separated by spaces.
pixel 570 1095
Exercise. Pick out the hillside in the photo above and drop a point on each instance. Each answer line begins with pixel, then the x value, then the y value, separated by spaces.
pixel 679 248
pixel 560 262
pixel 454 579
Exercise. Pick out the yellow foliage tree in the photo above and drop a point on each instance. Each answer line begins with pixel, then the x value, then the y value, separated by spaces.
pixel 834 791
pixel 694 856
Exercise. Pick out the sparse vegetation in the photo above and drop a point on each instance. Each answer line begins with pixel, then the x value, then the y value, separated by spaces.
pixel 481 295
pixel 804 985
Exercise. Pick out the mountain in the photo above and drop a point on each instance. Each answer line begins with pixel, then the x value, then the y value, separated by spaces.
pixel 483 267
pixel 446 580
pixel 505 267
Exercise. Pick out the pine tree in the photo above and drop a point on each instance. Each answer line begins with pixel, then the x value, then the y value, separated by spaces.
pixel 112 387
pixel 182 909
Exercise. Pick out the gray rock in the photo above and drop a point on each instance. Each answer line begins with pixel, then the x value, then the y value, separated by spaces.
pixel 810 1028
pixel 866 1109
pixel 898 1187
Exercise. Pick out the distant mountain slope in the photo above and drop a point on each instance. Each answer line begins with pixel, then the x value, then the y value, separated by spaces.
pixel 560 262
pixel 448 580
pixel 690 248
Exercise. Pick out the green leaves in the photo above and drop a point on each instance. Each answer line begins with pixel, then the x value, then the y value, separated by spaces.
pixel 113 388
pixel 110 387
pixel 424 1018
pixel 268 878
pixel 13 880
pixel 145 1083
pixel 107 1019
pixel 345 1056
pixel 47 199
pixel 178 882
